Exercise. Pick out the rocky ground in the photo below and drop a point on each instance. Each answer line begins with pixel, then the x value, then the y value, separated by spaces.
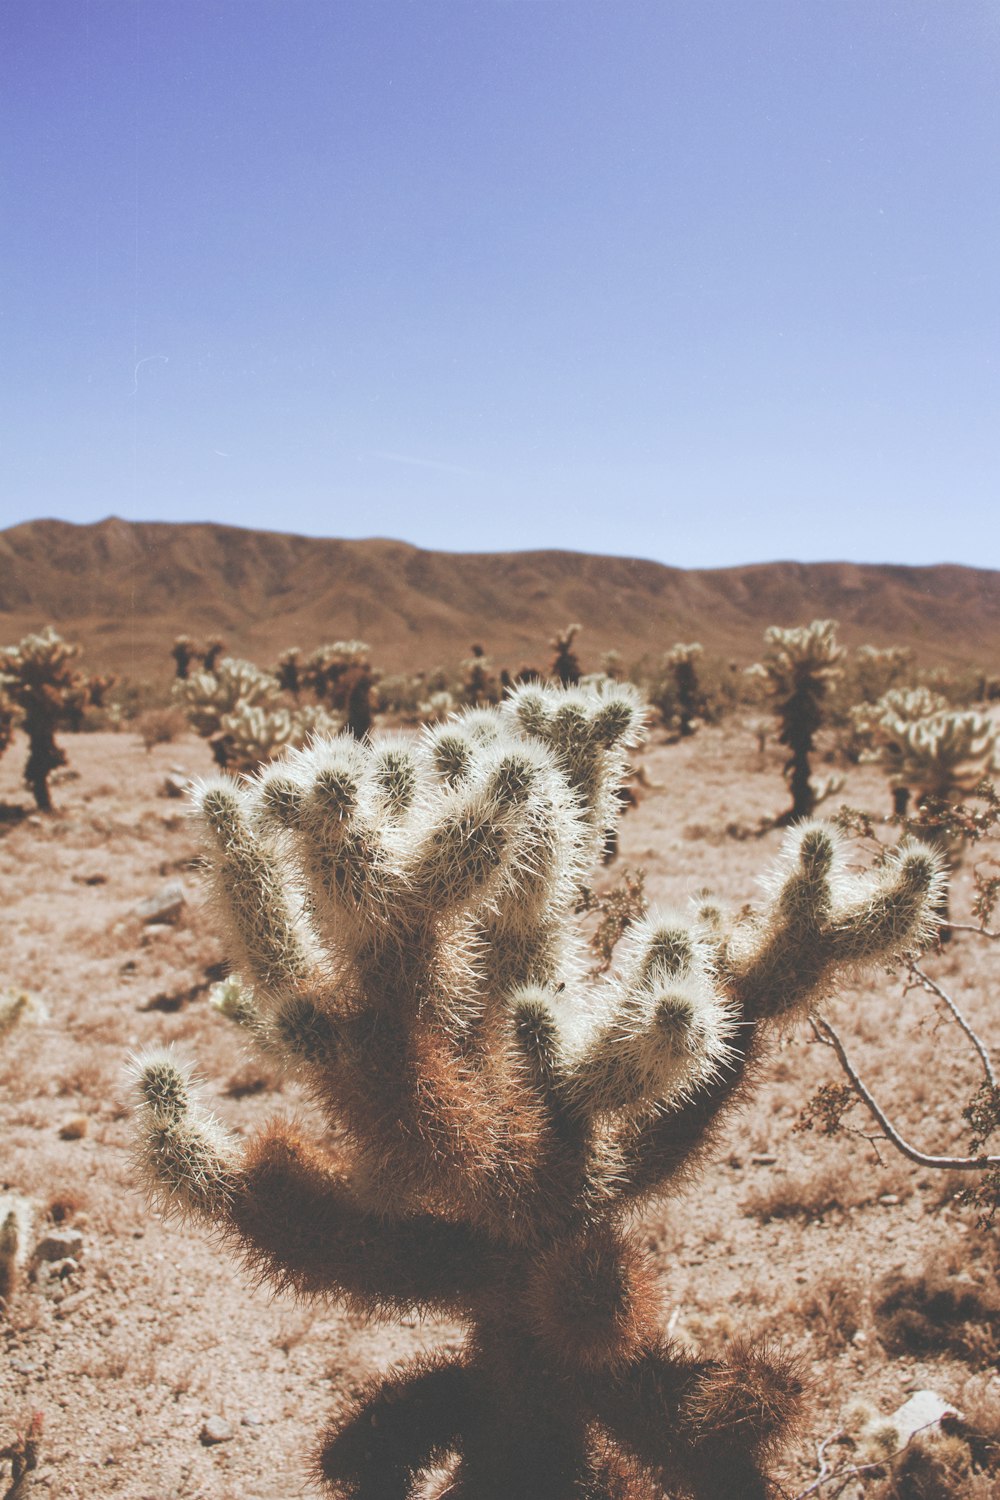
pixel 160 1374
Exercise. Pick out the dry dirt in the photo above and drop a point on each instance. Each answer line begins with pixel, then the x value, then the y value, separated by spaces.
pixel 154 1334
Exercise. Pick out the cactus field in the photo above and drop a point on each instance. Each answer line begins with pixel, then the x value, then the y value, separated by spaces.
pixel 189 1343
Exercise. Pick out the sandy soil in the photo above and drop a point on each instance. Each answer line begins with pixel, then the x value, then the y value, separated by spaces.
pixel 151 1334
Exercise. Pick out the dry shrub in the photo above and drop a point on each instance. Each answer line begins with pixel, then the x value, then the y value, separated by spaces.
pixel 160 726
pixel 807 1195
pixel 833 1309
pixel 937 1312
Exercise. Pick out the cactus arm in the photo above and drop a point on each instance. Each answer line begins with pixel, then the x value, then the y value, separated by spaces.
pixel 299 1225
pixel 706 1426
pixel 400 1424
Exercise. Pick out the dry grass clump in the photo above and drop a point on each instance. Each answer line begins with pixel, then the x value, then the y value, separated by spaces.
pixel 160 726
pixel 799 1195
pixel 938 1312
pixel 833 1308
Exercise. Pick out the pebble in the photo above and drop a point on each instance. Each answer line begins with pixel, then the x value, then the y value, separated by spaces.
pixel 165 906
pixel 889 1199
pixel 74 1128
pixel 216 1430
pixel 763 1159
pixel 252 1418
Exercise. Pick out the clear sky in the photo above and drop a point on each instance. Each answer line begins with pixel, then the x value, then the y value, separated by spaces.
pixel 707 281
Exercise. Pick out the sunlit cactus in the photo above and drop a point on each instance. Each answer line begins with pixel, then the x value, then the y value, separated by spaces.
pixel 400 913
pixel 870 725
pixel 937 756
pixel 565 666
pixel 45 693
pixel 208 697
pixel 254 733
pixel 798 667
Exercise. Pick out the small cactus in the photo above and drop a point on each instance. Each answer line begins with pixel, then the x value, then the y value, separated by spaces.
pixel 682 702
pixel 15 1238
pixel 401 918
pixel 798 668
pixel 45 692
pixel 184 651
pixel 565 667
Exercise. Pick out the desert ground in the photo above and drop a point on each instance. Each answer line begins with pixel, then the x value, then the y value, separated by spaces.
pixel 160 1374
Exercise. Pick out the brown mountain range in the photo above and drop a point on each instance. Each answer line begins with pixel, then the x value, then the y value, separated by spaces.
pixel 125 589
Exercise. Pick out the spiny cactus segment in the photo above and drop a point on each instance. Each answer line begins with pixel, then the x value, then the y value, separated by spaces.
pixel 41 689
pixel 798 667
pixel 401 917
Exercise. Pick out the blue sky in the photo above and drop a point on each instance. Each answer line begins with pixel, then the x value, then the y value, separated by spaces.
pixel 698 280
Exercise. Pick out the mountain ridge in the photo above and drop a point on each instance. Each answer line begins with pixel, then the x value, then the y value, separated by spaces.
pixel 124 589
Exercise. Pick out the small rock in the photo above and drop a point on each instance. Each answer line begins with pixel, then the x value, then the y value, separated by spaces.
pixel 165 906
pixel 889 1199
pixel 924 1409
pixel 252 1418
pixel 57 1270
pixel 860 1338
pixel 61 1244
pixel 175 785
pixel 22 1367
pixel 74 1128
pixel 216 1430
pixel 763 1159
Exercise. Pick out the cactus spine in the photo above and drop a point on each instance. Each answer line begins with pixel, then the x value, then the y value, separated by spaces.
pixel 401 916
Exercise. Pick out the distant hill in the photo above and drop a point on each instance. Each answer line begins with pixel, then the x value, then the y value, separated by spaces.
pixel 125 589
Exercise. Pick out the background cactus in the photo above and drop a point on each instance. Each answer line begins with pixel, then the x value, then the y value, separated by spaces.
pixel 253 733
pixel 341 677
pixel 798 667
pixel 208 697
pixel 935 757
pixel 401 916
pixel 46 693
pixel 565 666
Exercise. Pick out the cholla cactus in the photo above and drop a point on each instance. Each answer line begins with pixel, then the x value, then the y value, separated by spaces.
pixel 252 734
pixel 687 701
pixel 288 672
pixel 938 756
pixel 565 666
pixel 184 651
pixel 870 724
pixel 401 918
pixel 47 694
pixel 798 667
pixel 208 697
pixel 341 675
pixel 479 681
pixel 876 670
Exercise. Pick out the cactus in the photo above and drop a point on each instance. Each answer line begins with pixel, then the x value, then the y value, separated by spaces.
pixel 935 757
pixel 213 653
pixel 798 668
pixel 47 694
pixel 565 667
pixel 288 672
pixel 400 914
pixel 680 699
pixel 253 733
pixel 208 697
pixel 479 682
pixel 341 676
pixel 184 651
